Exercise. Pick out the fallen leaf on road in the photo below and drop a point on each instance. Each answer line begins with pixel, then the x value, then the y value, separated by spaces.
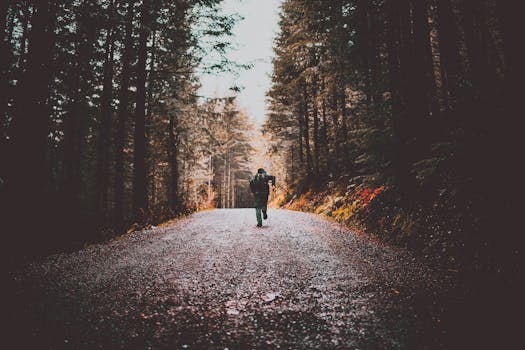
pixel 232 312
pixel 268 297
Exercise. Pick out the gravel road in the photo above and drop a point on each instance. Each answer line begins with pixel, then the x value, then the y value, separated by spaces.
pixel 215 281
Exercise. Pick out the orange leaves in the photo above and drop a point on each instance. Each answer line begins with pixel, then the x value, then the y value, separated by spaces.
pixel 355 201
pixel 366 195
pixel 305 202
pixel 340 205
pixel 301 203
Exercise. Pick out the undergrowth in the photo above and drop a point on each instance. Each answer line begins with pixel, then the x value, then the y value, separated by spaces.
pixel 377 209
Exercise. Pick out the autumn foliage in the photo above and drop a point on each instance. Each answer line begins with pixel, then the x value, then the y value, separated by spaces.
pixel 333 202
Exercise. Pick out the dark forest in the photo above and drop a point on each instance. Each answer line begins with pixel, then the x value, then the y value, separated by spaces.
pixel 396 118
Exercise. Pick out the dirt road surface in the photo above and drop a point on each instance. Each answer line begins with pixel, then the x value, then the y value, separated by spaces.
pixel 215 281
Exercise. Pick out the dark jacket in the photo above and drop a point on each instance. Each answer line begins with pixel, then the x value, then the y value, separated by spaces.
pixel 259 184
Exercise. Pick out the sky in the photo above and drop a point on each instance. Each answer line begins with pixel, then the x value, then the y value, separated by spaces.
pixel 253 42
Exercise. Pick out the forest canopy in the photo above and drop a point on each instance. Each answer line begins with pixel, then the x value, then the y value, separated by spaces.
pixel 101 124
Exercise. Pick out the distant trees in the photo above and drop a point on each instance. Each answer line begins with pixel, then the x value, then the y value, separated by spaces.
pixel 97 108
pixel 399 92
pixel 229 133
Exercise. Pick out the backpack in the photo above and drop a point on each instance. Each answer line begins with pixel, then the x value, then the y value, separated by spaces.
pixel 261 182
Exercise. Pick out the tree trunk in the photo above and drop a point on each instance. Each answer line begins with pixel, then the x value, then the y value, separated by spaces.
pixel 233 190
pixel 5 61
pixel 30 125
pixel 509 20
pixel 474 27
pixel 405 50
pixel 316 131
pixel 375 61
pixel 229 183
pixel 337 131
pixel 105 122
pixel 76 121
pixel 340 86
pixel 300 119
pixel 209 178
pixel 405 128
pixel 324 137
pixel 424 77
pixel 174 165
pixel 364 46
pixel 393 57
pixel 397 87
pixel 150 162
pixel 223 186
pixel 73 146
pixel 306 133
pixel 140 198
pixel 28 177
pixel 292 164
pixel 449 51
pixel 123 111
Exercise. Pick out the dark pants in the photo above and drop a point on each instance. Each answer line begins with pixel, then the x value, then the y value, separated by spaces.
pixel 261 202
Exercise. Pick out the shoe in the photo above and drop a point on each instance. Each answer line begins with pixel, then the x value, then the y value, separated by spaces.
pixel 265 216
pixel 259 225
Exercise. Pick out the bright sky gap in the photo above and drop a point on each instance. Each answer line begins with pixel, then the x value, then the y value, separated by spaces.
pixel 253 43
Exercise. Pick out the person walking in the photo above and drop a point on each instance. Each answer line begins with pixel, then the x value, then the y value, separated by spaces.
pixel 260 188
